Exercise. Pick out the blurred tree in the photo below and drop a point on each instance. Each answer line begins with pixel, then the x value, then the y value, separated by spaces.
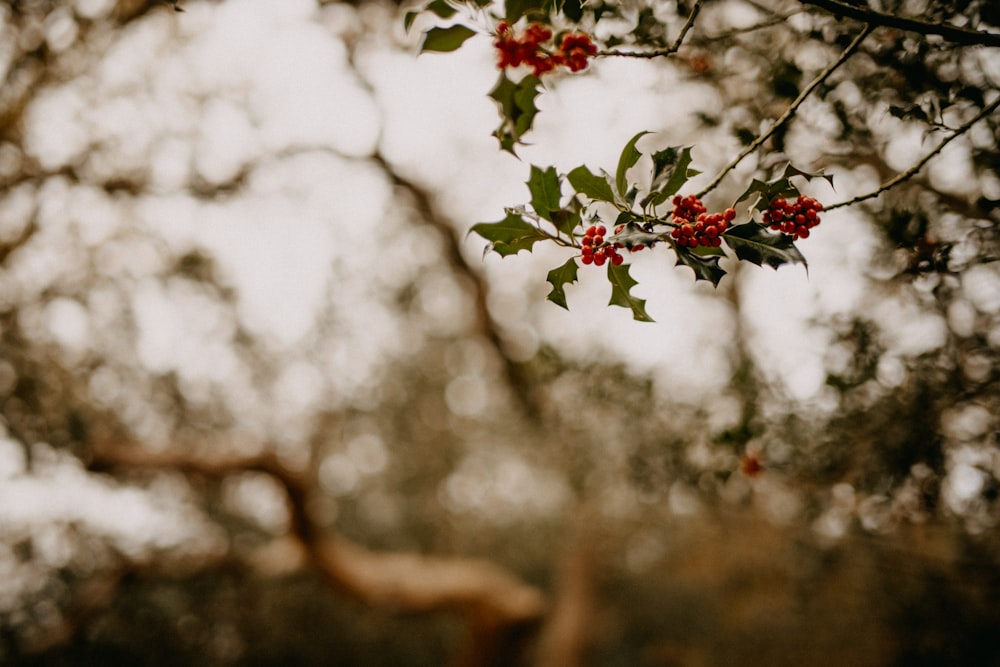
pixel 396 481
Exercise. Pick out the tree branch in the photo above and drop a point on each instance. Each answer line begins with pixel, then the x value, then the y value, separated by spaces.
pixel 951 33
pixel 769 22
pixel 789 112
pixel 912 171
pixel 673 48
pixel 423 201
pixel 495 603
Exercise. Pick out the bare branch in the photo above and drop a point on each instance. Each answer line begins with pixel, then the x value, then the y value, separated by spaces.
pixel 424 202
pixel 912 171
pixel 494 602
pixel 673 48
pixel 790 111
pixel 952 33
pixel 776 19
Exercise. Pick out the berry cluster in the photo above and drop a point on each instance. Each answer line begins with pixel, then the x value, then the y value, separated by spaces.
pixel 793 218
pixel 695 226
pixel 687 208
pixel 596 251
pixel 573 52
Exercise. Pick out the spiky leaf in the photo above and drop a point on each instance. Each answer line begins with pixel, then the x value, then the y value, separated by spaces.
pixel 621 286
pixel 510 235
pixel 627 160
pixel 761 193
pixel 567 219
pixel 808 175
pixel 558 277
pixel 545 193
pixel 517 109
pixel 671 170
pixel 705 267
pixel 754 243
pixel 593 186
pixel 443 40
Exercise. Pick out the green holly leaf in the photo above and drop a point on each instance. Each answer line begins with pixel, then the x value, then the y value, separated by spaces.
pixel 627 160
pixel 794 171
pixel 443 40
pixel 567 219
pixel 765 192
pixel 510 235
pixel 671 170
pixel 593 186
pixel 632 236
pixel 704 263
pixel 559 277
pixel 754 243
pixel 515 9
pixel 545 191
pixel 621 285
pixel 517 109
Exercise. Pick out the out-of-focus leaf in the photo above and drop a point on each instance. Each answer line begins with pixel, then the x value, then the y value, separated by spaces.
pixel 517 109
pixel 443 40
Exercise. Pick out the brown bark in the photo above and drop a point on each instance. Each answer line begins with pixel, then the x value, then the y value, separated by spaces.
pixel 500 610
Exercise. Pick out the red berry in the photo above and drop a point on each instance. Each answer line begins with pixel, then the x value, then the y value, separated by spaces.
pixel 587 259
pixel 617 260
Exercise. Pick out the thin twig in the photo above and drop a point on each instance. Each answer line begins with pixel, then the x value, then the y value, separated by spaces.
pixel 789 112
pixel 673 48
pixel 912 171
pixel 777 19
pixel 952 33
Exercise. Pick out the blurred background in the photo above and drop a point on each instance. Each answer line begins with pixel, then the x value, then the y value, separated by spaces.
pixel 263 401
